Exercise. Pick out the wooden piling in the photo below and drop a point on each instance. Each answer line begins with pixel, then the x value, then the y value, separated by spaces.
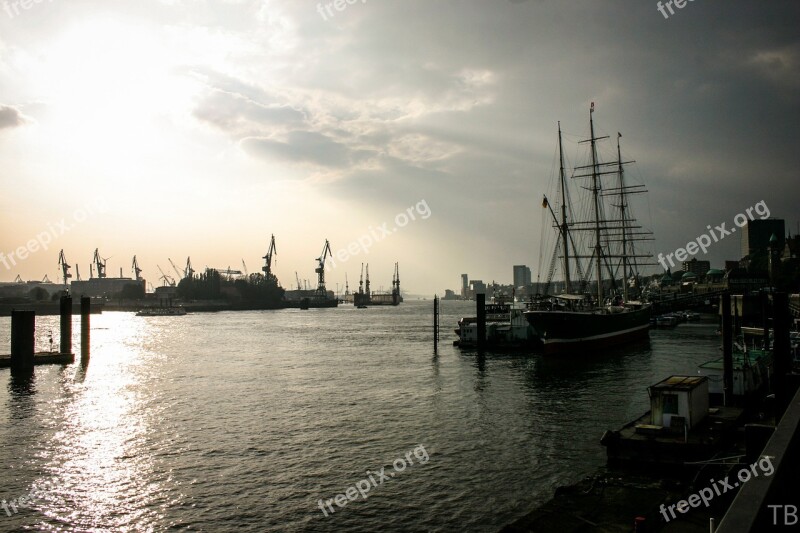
pixel 66 324
pixel 435 322
pixel 765 317
pixel 480 300
pixel 782 353
pixel 23 331
pixel 727 350
pixel 86 309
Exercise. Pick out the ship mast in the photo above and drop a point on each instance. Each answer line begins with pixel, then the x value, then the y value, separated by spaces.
pixel 596 196
pixel 607 230
pixel 564 228
pixel 624 222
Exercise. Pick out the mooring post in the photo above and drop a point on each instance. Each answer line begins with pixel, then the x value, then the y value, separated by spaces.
pixel 66 324
pixel 765 317
pixel 782 354
pixel 480 303
pixel 86 309
pixel 23 330
pixel 727 350
pixel 435 321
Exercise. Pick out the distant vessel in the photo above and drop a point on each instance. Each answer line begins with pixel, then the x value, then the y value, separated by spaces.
pixel 666 321
pixel 571 322
pixel 388 298
pixel 161 311
pixel 364 297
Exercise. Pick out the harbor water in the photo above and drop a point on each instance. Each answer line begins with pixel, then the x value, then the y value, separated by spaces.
pixel 244 421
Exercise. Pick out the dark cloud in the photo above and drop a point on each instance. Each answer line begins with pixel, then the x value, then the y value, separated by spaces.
pixel 235 113
pixel 10 117
pixel 301 147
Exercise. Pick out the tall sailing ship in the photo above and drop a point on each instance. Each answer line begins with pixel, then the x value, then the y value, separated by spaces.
pixel 578 320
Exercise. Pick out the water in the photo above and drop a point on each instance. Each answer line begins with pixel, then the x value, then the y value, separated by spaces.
pixel 244 421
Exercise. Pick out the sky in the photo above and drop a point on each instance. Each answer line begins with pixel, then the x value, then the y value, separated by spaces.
pixel 418 132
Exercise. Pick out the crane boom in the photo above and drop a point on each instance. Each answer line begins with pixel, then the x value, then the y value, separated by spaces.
pixel 62 263
pixel 273 250
pixel 100 264
pixel 136 270
pixel 320 270
pixel 167 279
pixel 175 268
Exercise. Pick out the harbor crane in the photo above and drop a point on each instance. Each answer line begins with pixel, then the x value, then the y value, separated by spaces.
pixel 361 281
pixel 228 272
pixel 189 271
pixel 62 263
pixel 299 287
pixel 244 268
pixel 320 270
pixel 77 273
pixel 366 285
pixel 165 278
pixel 137 272
pixel 175 268
pixel 267 268
pixel 100 264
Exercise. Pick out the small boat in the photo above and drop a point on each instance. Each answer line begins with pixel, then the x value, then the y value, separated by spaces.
pixel 506 328
pixel 751 372
pixel 666 321
pixel 161 311
pixel 681 427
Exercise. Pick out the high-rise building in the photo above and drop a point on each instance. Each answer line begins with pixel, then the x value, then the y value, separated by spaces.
pixel 522 276
pixel 757 233
pixel 697 267
pixel 464 286
pixel 476 286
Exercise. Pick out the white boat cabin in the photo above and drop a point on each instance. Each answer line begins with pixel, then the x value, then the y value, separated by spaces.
pixel 679 402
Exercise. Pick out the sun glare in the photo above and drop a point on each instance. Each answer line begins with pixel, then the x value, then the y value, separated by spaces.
pixel 110 88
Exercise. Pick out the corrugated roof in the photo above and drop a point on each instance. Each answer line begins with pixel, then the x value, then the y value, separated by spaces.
pixel 680 382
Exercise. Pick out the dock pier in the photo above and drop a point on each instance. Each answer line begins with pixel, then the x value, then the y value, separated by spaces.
pixel 480 304
pixel 66 324
pixel 23 355
pixel 86 310
pixel 621 499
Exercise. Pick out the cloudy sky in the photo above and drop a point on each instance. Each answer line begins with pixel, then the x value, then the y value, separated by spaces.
pixel 178 128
